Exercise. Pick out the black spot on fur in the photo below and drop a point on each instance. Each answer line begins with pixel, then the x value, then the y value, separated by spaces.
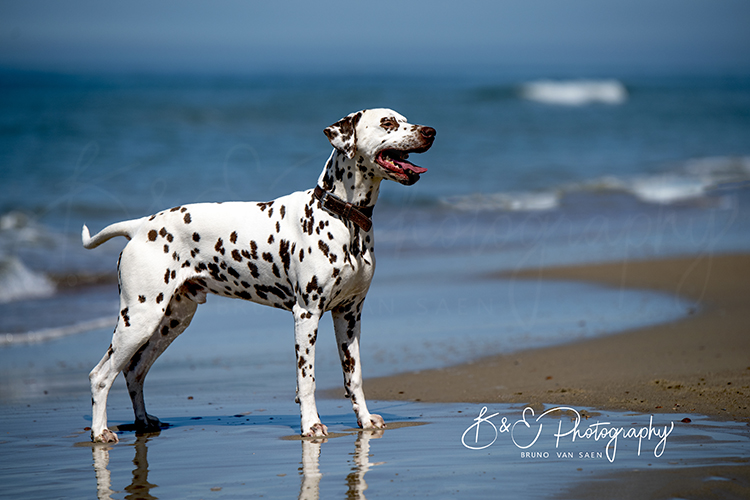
pixel 216 272
pixel 159 298
pixel 152 235
pixel 348 362
pixel 187 219
pixel 233 237
pixel 141 299
pixel 196 237
pixel 125 317
pixel 253 270
pixel 284 254
pixel 313 286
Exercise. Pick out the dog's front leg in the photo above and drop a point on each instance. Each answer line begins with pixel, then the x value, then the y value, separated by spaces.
pixel 346 322
pixel 305 335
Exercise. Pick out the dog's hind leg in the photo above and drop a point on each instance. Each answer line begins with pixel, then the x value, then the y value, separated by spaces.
pixel 135 326
pixel 176 319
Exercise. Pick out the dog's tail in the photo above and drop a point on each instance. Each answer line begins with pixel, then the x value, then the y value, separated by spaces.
pixel 126 228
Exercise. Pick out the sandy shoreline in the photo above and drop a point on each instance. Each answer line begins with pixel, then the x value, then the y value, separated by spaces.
pixel 698 364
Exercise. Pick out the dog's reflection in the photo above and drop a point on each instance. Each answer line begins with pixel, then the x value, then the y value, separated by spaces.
pixel 310 470
pixel 310 473
pixel 139 487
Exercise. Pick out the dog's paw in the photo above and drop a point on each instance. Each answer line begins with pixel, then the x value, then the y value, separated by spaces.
pixel 151 424
pixel 373 423
pixel 107 436
pixel 316 430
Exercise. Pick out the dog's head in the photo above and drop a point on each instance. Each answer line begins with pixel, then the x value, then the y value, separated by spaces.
pixel 382 140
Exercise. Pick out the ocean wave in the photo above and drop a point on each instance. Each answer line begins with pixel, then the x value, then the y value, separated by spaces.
pixel 694 180
pixel 19 282
pixel 575 92
pixel 47 334
pixel 510 202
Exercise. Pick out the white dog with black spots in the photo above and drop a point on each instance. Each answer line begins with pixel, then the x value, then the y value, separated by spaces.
pixel 308 252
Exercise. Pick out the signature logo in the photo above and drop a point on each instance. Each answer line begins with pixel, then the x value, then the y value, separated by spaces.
pixel 527 432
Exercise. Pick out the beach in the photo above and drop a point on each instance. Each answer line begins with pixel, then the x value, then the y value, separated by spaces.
pixel 697 364
pixel 233 424
pixel 559 304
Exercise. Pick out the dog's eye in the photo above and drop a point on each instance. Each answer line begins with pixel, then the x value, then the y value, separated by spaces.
pixel 389 123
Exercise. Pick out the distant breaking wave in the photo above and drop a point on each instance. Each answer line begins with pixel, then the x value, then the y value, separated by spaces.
pixel 575 92
pixel 47 334
pixel 696 179
pixel 19 282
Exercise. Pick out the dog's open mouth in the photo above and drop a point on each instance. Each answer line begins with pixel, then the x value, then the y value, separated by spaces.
pixel 396 161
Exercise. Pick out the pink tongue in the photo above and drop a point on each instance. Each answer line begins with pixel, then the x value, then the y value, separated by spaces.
pixel 410 166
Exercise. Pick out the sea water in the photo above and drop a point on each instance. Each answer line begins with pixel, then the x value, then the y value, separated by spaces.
pixel 525 171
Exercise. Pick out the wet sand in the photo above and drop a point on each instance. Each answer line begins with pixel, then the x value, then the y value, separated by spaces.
pixel 700 364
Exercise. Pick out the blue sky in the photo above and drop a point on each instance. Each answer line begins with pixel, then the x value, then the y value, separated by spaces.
pixel 375 36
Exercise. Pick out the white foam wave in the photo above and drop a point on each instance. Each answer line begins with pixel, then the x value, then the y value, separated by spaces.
pixel 667 189
pixel 48 334
pixel 575 92
pixel 694 180
pixel 18 282
pixel 513 202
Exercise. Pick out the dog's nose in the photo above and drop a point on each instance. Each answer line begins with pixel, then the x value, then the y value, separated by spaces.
pixel 428 132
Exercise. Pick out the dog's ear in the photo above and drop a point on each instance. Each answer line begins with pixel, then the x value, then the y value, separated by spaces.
pixel 343 134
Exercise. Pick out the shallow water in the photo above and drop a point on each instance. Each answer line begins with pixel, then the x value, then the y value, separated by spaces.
pixel 224 450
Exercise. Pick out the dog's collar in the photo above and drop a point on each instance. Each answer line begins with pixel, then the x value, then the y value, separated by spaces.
pixel 358 215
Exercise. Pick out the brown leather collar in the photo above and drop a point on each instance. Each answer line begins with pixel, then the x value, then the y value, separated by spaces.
pixel 358 215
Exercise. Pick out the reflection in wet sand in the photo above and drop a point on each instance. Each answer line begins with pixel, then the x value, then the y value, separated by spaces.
pixel 310 470
pixel 140 488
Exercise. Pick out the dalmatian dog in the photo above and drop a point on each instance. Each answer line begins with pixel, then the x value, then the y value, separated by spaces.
pixel 308 252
